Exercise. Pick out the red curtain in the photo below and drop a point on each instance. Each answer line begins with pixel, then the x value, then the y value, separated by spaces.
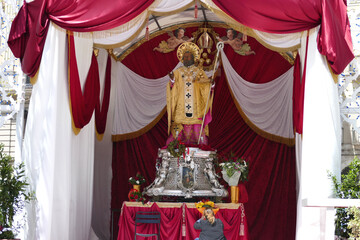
pixel 172 222
pixel 284 16
pixel 30 26
pixel 271 209
pixel 29 29
pixel 101 113
pixel 82 105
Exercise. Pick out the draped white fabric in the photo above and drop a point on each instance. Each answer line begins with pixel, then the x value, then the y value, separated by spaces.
pixel 102 162
pixel 267 105
pixel 60 164
pixel 165 6
pixel 284 41
pixel 321 142
pixel 138 100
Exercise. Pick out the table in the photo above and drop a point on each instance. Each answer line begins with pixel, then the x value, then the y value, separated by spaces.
pixel 177 220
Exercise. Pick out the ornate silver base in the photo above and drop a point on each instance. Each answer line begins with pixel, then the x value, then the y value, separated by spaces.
pixel 187 177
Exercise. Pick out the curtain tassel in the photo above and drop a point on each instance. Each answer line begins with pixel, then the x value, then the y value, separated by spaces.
pixel 196 10
pixel 147 34
pixel 242 230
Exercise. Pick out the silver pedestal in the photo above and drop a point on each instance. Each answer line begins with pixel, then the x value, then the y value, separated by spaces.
pixel 190 176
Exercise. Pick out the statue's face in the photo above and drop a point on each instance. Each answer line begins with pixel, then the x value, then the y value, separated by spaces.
pixel 188 59
pixel 180 33
pixel 230 34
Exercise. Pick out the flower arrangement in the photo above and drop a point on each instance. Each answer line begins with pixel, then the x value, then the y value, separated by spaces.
pixel 234 166
pixel 176 148
pixel 136 196
pixel 137 180
pixel 205 203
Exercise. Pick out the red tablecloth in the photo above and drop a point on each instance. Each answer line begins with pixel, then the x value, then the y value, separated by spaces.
pixel 177 220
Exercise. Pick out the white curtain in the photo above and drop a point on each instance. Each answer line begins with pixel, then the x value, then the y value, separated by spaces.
pixel 321 142
pixel 60 164
pixel 103 160
pixel 267 105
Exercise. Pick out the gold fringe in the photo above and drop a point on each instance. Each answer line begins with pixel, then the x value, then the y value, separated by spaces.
pixel 219 205
pixel 33 80
pixel 288 141
pixel 242 28
pixel 99 136
pixel 159 204
pixel 127 136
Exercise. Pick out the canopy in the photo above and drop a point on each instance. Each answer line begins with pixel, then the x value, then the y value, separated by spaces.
pixel 38 38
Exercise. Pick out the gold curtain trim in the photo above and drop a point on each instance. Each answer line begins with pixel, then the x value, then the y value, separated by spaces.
pixel 99 136
pixel 219 205
pixel 127 136
pixel 334 76
pixel 288 141
pixel 33 80
pixel 75 129
pixel 179 205
pixel 244 29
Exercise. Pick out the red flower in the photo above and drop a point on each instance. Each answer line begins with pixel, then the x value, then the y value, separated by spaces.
pixel 136 196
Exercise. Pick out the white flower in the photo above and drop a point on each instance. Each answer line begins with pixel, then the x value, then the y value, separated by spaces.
pixel 137 181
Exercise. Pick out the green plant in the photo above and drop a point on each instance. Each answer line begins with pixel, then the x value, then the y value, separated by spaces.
pixel 348 188
pixel 13 193
pixel 354 223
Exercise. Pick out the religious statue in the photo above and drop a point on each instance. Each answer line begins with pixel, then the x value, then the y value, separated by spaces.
pixel 211 175
pixel 234 40
pixel 189 92
pixel 175 40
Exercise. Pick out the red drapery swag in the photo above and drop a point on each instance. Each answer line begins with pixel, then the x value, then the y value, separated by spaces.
pixel 271 206
pixel 172 220
pixel 29 28
pixel 83 105
pixel 283 16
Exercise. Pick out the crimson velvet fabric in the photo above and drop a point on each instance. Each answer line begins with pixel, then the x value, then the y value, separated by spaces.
pixel 172 221
pixel 271 206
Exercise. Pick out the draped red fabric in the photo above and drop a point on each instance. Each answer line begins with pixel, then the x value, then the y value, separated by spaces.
pixel 298 97
pixel 101 114
pixel 171 222
pixel 231 219
pixel 284 16
pixel 29 29
pixel 271 206
pixel 82 106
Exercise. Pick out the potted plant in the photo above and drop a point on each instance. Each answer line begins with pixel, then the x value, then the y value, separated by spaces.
pixel 13 194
